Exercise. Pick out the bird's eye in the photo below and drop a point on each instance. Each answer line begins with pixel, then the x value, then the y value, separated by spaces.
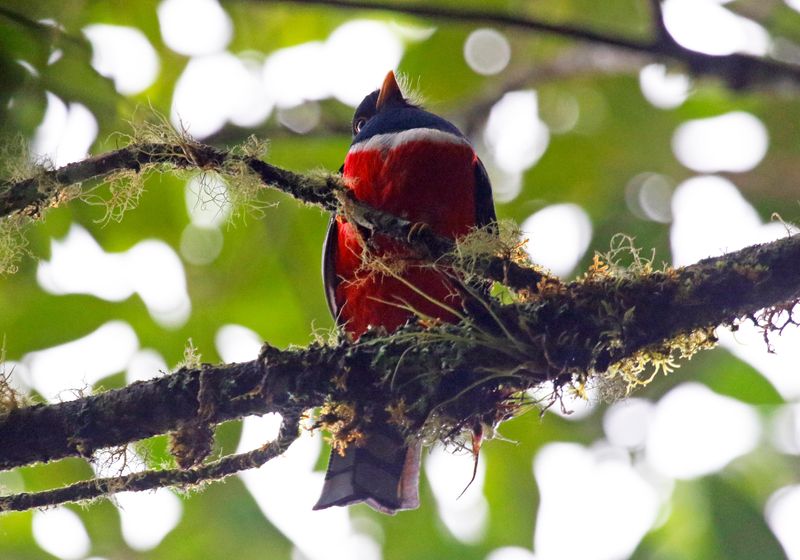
pixel 359 124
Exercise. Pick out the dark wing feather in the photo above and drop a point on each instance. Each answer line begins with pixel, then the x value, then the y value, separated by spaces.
pixel 329 277
pixel 330 280
pixel 484 206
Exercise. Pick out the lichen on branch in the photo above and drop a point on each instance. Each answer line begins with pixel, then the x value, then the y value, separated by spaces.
pixel 438 380
pixel 152 479
pixel 28 198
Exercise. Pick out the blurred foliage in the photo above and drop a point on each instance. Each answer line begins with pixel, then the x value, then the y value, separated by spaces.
pixel 267 279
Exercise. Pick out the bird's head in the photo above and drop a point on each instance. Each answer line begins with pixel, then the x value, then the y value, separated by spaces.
pixel 385 110
pixel 381 100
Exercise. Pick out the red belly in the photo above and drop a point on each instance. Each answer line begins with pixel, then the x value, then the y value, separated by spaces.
pixel 422 181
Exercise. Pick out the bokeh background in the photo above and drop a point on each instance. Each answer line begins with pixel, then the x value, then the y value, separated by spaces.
pixel 581 141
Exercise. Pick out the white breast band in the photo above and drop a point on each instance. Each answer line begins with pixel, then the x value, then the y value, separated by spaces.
pixel 391 140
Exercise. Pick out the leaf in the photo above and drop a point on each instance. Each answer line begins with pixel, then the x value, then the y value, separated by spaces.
pixel 739 525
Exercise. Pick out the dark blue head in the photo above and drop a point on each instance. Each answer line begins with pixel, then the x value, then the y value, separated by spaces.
pixel 386 110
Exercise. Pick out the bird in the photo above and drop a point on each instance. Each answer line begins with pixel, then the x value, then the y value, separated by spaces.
pixel 420 167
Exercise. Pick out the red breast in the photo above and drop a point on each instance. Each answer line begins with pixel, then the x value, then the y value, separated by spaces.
pixel 423 175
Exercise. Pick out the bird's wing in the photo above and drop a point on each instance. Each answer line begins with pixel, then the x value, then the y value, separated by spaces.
pixel 329 277
pixel 484 206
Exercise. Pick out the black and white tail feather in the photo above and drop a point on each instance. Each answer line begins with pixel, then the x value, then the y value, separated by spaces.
pixel 382 471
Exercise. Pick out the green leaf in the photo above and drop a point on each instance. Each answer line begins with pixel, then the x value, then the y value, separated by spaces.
pixel 739 525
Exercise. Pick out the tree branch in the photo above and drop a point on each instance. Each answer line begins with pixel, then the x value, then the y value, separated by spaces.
pixel 31 196
pixel 601 327
pixel 738 70
pixel 152 479
pixel 48 30
pixel 660 32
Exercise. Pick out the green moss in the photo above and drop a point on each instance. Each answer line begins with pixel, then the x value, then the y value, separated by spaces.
pixel 13 244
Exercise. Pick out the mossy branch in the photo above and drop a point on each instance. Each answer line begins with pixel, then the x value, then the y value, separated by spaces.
pixel 604 328
pixel 153 479
pixel 33 195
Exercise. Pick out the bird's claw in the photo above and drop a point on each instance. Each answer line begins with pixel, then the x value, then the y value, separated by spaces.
pixel 416 229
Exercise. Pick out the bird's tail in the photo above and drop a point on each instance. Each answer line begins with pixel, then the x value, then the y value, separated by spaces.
pixel 382 470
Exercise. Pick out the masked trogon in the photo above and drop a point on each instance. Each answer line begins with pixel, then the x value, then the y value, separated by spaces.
pixel 416 165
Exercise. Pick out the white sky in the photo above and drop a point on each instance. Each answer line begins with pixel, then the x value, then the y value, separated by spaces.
pixel 123 54
pixel 558 236
pixel 151 269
